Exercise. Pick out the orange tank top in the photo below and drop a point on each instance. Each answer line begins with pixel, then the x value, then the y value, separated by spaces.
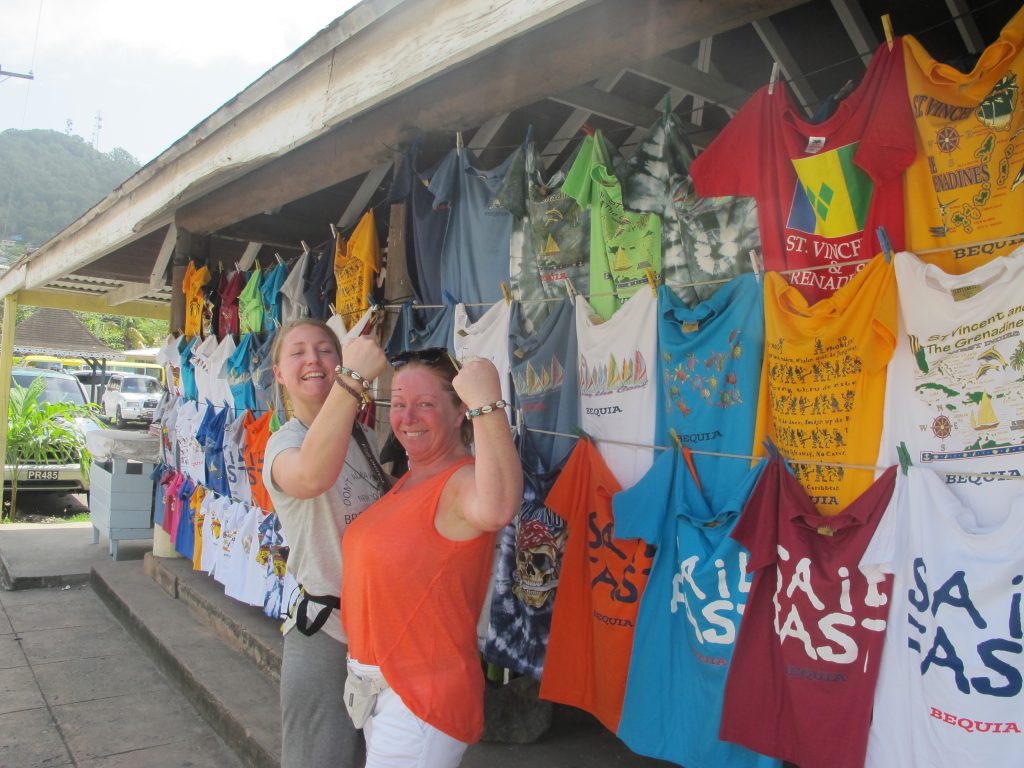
pixel 410 599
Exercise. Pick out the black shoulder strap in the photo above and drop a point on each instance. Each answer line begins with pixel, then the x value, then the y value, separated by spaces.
pixel 381 477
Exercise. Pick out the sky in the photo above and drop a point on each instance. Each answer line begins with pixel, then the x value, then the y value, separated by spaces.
pixel 152 69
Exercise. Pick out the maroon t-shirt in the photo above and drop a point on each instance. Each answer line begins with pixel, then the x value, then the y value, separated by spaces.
pixel 803 674
pixel 229 289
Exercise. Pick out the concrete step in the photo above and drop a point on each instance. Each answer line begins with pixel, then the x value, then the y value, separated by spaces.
pixel 237 697
pixel 243 627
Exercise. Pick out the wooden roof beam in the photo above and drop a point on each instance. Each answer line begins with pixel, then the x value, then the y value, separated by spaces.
pixel 964 21
pixel 158 275
pixel 357 205
pixel 787 63
pixel 572 125
pixel 127 292
pixel 687 78
pixel 857 27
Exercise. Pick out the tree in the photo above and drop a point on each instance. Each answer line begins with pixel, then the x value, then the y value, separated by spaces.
pixel 39 432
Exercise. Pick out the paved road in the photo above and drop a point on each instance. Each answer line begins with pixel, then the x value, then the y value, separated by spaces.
pixel 76 690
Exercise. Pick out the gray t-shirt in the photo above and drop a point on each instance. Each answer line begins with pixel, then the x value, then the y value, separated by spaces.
pixel 313 527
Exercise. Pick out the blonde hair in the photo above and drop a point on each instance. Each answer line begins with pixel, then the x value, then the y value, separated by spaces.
pixel 291 325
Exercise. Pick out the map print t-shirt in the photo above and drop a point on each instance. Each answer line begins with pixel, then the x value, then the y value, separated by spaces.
pixel 823 380
pixel 623 245
pixel 813 629
pixel 355 270
pixel 967 185
pixel 710 366
pixel 702 238
pixel 618 391
pixel 822 189
pixel 689 615
pixel 949 690
pixel 599 592
pixel 955 386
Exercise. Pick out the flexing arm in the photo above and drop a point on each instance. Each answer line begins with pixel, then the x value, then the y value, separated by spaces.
pixel 308 471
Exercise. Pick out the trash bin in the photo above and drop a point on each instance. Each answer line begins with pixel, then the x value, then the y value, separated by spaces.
pixel 120 487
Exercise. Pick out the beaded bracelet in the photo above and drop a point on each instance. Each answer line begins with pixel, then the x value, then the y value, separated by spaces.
pixel 363 399
pixel 341 370
pixel 474 412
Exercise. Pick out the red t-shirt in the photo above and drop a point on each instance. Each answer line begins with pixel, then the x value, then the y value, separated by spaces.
pixel 822 190
pixel 229 289
pixel 598 596
pixel 803 674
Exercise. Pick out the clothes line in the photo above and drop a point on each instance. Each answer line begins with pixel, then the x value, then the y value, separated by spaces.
pixel 749 457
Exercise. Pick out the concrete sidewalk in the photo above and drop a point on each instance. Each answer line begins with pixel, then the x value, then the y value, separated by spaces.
pixel 76 690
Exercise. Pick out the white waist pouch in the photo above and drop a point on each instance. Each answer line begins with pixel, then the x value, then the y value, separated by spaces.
pixel 362 686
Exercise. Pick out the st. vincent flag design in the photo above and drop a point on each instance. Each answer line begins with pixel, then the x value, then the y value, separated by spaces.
pixel 832 195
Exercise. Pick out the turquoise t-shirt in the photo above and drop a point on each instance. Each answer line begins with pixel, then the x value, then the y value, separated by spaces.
pixel 709 358
pixel 689 615
pixel 270 294
pixel 189 390
pixel 240 374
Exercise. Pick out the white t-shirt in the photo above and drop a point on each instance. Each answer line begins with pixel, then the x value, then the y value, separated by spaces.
pixel 220 389
pixel 949 687
pixel 293 302
pixel 168 433
pixel 234 460
pixel 236 553
pixel 226 568
pixel 202 358
pixel 487 338
pixel 191 457
pixel 170 358
pixel 213 513
pixel 953 390
pixel 618 367
pixel 314 527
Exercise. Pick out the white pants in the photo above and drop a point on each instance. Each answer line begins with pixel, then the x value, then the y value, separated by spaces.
pixel 396 738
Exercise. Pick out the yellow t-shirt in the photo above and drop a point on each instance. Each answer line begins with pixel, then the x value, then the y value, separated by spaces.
pixel 195 297
pixel 196 503
pixel 823 380
pixel 967 184
pixel 355 264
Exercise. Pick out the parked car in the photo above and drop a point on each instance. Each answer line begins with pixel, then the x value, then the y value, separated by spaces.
pixel 53 473
pixel 129 397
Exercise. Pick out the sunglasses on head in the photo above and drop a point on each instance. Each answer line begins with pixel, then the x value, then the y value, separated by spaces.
pixel 430 356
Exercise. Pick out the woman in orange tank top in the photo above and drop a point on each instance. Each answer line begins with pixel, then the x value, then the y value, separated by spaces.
pixel 416 565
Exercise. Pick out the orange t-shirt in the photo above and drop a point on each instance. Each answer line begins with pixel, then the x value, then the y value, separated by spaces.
pixel 823 380
pixel 598 596
pixel 257 433
pixel 410 599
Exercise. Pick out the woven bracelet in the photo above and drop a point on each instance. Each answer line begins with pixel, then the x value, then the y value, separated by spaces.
pixel 363 399
pixel 341 370
pixel 491 408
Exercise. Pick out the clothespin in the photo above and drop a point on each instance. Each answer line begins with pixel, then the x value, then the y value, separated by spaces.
pixel 885 243
pixel 652 281
pixel 756 265
pixel 458 143
pixel 904 456
pixel 771 448
pixel 887 28
pixel 333 310
pixel 520 422
pixel 580 432
pixel 238 266
pixel 529 134
pixel 455 363
pixel 279 259
pixel 569 289
pixel 774 78
pixel 506 292
pixel 305 246
pixel 334 230
pixel 587 129
pixel 675 438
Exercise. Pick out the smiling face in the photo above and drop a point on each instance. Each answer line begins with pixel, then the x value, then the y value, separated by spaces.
pixel 424 415
pixel 304 366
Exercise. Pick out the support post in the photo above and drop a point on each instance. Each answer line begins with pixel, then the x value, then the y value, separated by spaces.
pixel 179 263
pixel 397 287
pixel 6 364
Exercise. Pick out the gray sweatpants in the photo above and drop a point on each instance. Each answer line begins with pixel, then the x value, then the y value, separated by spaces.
pixel 316 729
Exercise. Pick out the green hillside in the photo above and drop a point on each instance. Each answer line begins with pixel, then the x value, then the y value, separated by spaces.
pixel 49 179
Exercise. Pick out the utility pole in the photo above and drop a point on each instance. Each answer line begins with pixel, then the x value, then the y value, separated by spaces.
pixel 4 75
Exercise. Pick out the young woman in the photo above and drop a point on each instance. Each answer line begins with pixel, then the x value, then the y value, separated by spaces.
pixel 320 478
pixel 417 565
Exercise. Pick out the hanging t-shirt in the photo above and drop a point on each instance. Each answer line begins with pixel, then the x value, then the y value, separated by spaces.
pixel 172 506
pixel 194 284
pixel 234 458
pixel 417 329
pixel 168 422
pixel 211 303
pixel 270 294
pixel 230 289
pixel 823 380
pixel 953 391
pixel 526 576
pixel 239 373
pixel 320 286
pixel 474 261
pixel 822 190
pixel 220 386
pixel 293 302
pixel 967 184
pixel 169 356
pixel 202 364
pixel 208 513
pixel 550 238
pixel 486 338
pixel 618 391
pixel 237 563
pixel 702 238
pixel 265 386
pixel 190 452
pixel 184 536
pixel 211 438
pixel 545 379
pixel 598 596
pixel 949 690
pixel 187 369
pixel 425 226
pixel 813 629
pixel 623 245
pixel 257 433
pixel 710 362
pixel 689 614
pixel 250 304
pixel 228 568
pixel 355 270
